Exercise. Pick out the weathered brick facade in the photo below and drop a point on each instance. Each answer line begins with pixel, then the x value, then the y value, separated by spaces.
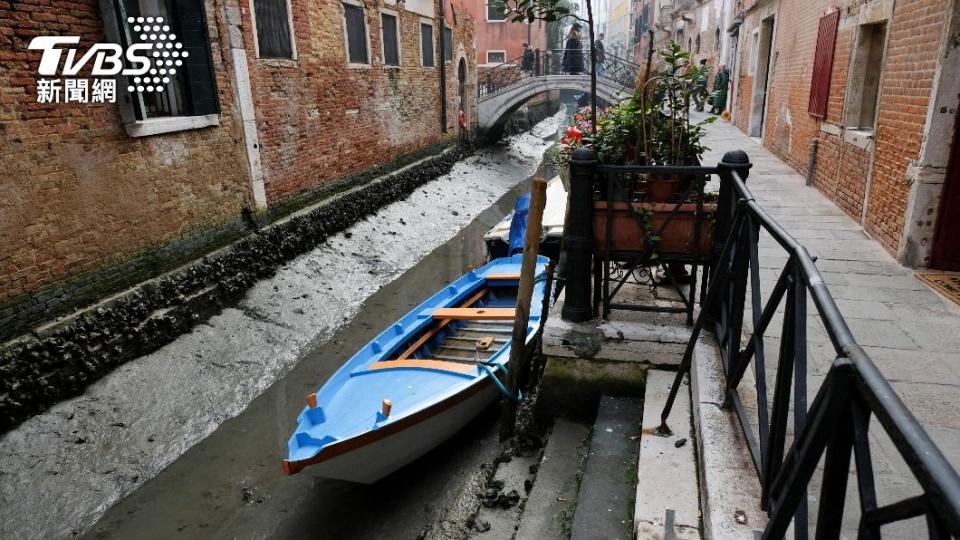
pixel 89 209
pixel 866 172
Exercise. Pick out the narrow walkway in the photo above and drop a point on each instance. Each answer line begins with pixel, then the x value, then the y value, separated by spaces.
pixel 911 333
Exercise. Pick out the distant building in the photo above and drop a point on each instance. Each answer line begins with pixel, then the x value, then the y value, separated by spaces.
pixel 500 40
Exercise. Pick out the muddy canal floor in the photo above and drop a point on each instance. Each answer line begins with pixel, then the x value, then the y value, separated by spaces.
pixel 230 485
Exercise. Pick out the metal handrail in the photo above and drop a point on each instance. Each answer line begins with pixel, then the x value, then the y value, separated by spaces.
pixel 837 422
pixel 550 62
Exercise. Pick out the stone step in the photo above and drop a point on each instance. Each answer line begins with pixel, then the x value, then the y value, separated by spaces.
pixel 667 496
pixel 550 505
pixel 605 502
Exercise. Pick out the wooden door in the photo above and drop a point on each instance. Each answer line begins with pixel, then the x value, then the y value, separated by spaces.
pixel 946 246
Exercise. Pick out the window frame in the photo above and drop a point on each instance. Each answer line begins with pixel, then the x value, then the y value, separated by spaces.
pixel 446 29
pixel 486 14
pixel 499 51
pixel 433 37
pixel 256 37
pixel 754 52
pixel 346 36
pixel 856 80
pixel 133 115
pixel 383 45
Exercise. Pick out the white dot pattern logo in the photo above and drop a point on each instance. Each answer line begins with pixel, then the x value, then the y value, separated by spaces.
pixel 153 31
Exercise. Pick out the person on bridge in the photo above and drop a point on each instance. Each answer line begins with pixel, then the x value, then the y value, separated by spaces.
pixel 528 57
pixel 600 55
pixel 573 52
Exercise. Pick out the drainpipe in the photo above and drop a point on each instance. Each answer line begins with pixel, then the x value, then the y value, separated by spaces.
pixel 443 70
pixel 812 159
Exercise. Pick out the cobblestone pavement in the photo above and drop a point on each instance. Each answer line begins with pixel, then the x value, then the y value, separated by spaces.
pixel 910 332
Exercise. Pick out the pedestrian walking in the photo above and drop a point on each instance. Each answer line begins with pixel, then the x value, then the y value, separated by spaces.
pixel 600 55
pixel 573 52
pixel 704 76
pixel 719 102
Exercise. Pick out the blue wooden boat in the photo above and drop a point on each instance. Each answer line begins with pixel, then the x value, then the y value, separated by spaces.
pixel 419 381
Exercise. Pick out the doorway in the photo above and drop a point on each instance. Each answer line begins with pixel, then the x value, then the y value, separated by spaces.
pixel 761 80
pixel 946 243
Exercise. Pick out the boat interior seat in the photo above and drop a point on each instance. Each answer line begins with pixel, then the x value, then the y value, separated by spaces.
pixel 476 314
pixel 463 368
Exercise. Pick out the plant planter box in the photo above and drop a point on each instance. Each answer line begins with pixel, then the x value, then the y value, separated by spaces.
pixel 677 238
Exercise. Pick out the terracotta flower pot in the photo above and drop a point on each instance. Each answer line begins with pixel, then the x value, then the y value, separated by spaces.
pixel 677 238
pixel 661 188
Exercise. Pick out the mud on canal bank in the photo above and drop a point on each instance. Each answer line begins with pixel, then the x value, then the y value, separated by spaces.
pixel 61 470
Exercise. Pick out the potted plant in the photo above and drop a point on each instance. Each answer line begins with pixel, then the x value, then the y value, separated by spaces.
pixel 654 128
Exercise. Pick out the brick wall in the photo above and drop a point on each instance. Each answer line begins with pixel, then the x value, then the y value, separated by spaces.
pixel 905 93
pixel 319 119
pixel 89 210
pixel 843 164
pixel 78 192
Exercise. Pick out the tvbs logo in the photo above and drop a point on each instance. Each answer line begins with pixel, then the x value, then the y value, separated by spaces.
pixel 149 64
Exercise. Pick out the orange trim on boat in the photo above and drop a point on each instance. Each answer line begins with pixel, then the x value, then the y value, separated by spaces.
pixel 502 277
pixel 475 314
pixel 312 400
pixel 424 363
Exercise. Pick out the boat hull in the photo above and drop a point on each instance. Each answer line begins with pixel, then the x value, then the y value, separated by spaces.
pixel 377 455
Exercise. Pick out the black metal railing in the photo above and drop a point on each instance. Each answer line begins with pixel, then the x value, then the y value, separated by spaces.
pixel 555 62
pixel 674 229
pixel 835 427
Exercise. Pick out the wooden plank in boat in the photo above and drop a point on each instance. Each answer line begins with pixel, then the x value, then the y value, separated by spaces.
pixel 439 365
pixel 503 277
pixel 475 314
pixel 439 326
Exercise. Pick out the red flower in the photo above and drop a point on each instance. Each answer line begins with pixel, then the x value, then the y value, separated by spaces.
pixel 574 133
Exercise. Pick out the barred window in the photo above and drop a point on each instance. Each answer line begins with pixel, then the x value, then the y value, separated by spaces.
pixel 272 21
pixel 356 27
pixel 426 45
pixel 391 46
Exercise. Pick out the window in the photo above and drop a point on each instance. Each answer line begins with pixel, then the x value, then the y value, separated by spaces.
pixel 493 11
pixel 496 57
pixel 697 42
pixel 447 44
pixel 754 52
pixel 186 84
pixel 271 18
pixel 356 28
pixel 391 46
pixel 823 65
pixel 864 84
pixel 716 40
pixel 426 45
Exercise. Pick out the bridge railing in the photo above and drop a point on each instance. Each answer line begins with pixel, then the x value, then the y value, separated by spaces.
pixel 556 62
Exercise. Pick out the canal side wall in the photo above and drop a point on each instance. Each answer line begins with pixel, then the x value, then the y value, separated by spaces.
pixel 96 201
pixel 60 360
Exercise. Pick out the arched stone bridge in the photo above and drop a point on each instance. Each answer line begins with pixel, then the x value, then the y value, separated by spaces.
pixel 505 88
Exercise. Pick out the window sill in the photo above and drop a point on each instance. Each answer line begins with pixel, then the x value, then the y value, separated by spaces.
pixel 156 126
pixel 861 138
pixel 280 62
pixel 358 66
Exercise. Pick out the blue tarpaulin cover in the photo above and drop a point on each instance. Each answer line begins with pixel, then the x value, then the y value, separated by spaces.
pixel 518 225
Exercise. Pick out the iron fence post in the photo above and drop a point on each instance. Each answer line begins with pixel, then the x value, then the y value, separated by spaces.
pixel 734 160
pixel 578 237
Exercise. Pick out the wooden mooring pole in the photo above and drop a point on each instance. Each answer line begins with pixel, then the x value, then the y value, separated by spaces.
pixel 531 246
